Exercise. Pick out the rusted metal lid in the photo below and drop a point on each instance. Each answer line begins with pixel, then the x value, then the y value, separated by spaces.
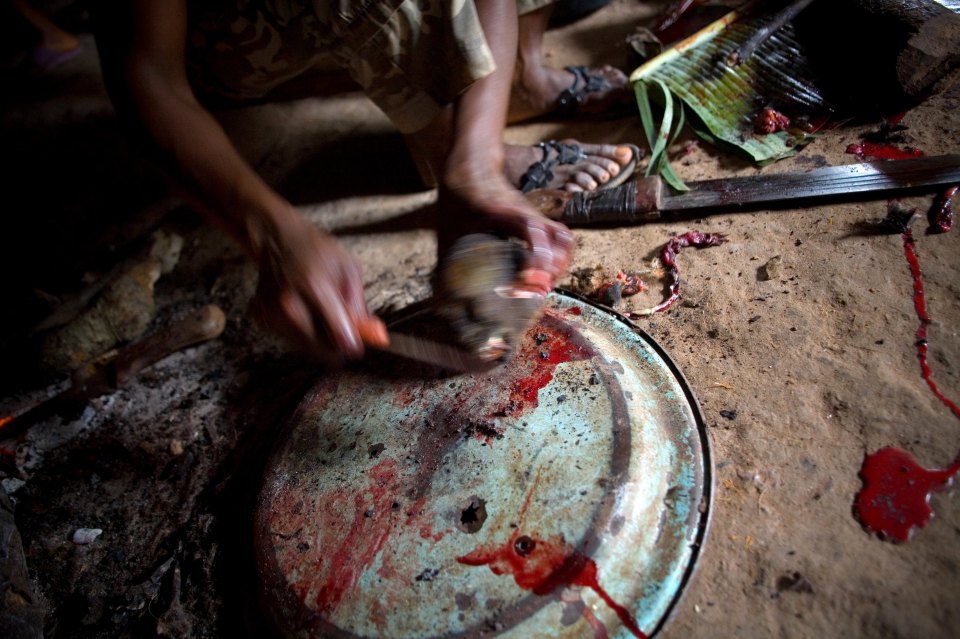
pixel 563 494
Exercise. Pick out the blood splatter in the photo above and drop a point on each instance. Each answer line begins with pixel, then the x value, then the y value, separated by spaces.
pixel 554 343
pixel 894 500
pixel 574 310
pixel 941 213
pixel 356 525
pixel 920 305
pixel 668 257
pixel 883 151
pixel 896 492
pixel 544 565
pixel 770 121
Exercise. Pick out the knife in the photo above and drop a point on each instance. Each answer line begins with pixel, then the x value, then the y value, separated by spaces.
pixel 645 200
pixel 105 375
pixel 436 354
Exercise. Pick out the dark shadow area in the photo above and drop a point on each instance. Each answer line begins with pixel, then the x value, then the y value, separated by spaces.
pixel 422 218
pixel 853 53
pixel 185 563
pixel 568 11
pixel 79 199
pixel 69 190
pixel 268 400
pixel 370 165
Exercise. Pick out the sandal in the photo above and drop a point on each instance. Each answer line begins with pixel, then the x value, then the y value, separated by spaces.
pixel 540 173
pixel 573 99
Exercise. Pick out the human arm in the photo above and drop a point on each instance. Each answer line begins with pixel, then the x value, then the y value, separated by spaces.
pixel 473 178
pixel 310 290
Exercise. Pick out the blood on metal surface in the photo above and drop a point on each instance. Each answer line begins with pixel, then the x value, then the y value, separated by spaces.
pixel 580 468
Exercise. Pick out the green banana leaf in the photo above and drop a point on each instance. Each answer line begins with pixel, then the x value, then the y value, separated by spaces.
pixel 726 98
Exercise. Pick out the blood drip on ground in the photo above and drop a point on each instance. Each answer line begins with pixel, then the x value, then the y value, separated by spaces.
pixel 896 119
pixel 544 566
pixel 894 500
pixel 920 305
pixel 883 151
pixel 668 257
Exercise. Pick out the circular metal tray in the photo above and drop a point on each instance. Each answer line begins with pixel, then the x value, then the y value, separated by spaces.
pixel 564 494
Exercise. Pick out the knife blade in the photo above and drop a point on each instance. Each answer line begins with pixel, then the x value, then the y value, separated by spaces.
pixel 645 200
pixel 436 354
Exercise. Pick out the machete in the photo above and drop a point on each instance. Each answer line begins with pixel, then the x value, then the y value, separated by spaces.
pixel 646 199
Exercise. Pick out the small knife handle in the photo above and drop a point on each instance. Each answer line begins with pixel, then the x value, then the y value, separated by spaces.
pixel 634 202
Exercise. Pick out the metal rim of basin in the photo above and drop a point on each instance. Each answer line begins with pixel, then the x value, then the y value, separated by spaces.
pixel 564 493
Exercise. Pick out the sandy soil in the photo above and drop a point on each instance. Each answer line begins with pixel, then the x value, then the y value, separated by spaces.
pixel 798 376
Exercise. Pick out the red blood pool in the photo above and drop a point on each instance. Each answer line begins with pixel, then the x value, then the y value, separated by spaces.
pixel 883 151
pixel 896 492
pixel 895 498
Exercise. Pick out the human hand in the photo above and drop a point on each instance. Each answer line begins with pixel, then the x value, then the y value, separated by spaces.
pixel 494 207
pixel 310 293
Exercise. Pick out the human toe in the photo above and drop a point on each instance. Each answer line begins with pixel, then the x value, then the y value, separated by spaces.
pixel 608 166
pixel 598 172
pixel 613 75
pixel 581 181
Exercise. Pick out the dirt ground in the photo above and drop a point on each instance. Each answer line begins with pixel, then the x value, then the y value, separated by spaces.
pixel 799 374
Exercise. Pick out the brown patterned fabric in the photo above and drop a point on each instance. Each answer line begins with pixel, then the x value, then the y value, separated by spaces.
pixel 412 57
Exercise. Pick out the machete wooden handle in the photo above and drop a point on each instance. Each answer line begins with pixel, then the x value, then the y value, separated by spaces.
pixel 630 203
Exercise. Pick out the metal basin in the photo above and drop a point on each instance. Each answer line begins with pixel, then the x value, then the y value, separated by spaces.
pixel 563 494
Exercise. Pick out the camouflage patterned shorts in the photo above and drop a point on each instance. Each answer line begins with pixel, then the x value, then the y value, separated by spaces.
pixel 411 57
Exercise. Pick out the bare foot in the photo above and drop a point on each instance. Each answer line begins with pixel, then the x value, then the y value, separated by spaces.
pixel 539 90
pixel 596 166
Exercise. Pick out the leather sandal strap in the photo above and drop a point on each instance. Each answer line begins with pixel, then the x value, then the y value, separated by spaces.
pixel 539 174
pixel 573 96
